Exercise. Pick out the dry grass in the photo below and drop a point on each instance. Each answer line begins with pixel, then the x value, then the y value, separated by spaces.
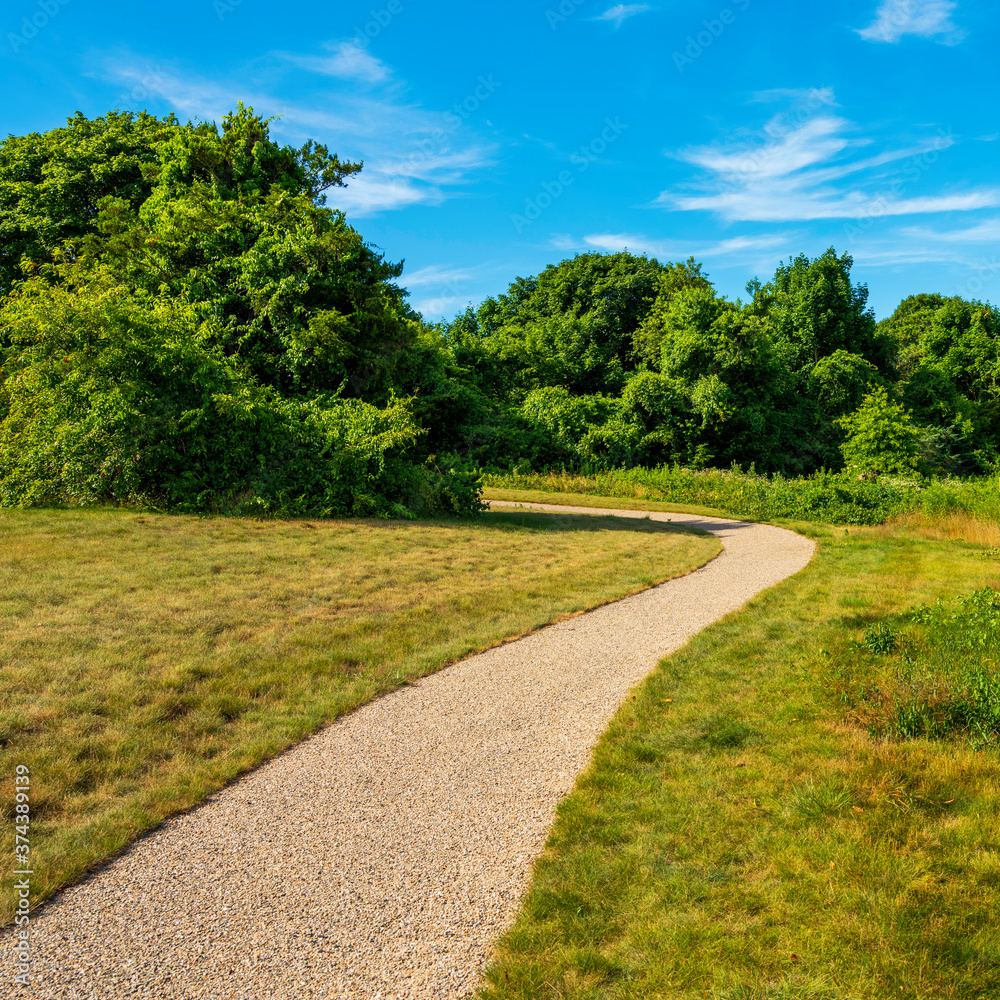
pixel 955 527
pixel 147 660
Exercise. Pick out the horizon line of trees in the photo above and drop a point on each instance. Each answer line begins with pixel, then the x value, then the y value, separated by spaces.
pixel 185 323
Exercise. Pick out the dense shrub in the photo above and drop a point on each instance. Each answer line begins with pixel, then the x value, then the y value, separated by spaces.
pixel 882 437
pixel 112 397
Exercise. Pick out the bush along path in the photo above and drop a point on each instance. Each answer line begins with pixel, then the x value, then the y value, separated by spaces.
pixel 385 855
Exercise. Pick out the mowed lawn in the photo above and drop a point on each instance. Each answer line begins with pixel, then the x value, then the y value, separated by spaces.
pixel 740 835
pixel 146 660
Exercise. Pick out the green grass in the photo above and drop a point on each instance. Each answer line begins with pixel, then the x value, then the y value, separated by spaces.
pixel 930 671
pixel 146 660
pixel 740 835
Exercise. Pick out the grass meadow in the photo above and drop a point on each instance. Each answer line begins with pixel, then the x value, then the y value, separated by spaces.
pixel 744 832
pixel 146 660
pixel 798 805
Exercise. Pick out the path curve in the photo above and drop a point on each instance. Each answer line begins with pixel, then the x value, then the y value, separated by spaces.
pixel 382 857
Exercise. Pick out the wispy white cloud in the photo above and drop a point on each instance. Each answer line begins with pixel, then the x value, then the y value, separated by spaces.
pixel 436 274
pixel 346 61
pixel 987 231
pixel 195 97
pixel 622 11
pixel 368 194
pixel 924 18
pixel 680 250
pixel 795 173
pixel 442 290
pixel 903 254
pixel 412 155
pixel 962 246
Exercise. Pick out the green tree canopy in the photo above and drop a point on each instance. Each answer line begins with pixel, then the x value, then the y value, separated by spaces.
pixel 191 323
pixel 572 325
pixel 815 309
pixel 947 364
pixel 235 224
pixel 52 184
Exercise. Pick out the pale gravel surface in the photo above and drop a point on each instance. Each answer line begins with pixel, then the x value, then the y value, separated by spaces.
pixel 382 857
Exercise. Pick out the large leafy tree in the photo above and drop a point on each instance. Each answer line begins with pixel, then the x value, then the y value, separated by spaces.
pixel 948 365
pixel 236 223
pixel 191 323
pixel 225 218
pixel 675 278
pixel 829 349
pixel 573 325
pixel 720 354
pixel 815 309
pixel 52 183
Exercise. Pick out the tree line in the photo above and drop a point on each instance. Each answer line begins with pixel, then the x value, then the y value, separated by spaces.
pixel 186 323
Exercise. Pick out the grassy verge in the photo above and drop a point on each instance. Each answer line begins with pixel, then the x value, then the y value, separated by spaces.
pixel 741 835
pixel 830 498
pixel 147 660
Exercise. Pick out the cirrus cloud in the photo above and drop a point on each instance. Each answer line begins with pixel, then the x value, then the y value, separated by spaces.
pixel 813 170
pixel 621 12
pixel 924 18
pixel 349 100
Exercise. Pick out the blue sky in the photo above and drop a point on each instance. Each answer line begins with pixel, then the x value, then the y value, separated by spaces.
pixel 499 138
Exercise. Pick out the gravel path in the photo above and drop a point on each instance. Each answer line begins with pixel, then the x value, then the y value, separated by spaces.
pixel 383 856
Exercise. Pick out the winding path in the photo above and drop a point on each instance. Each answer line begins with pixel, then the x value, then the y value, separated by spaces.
pixel 383 856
